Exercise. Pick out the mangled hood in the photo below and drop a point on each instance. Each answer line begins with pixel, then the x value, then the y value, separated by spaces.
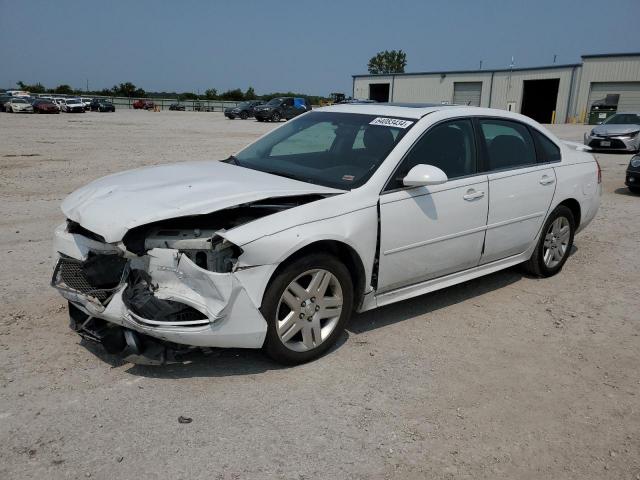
pixel 613 129
pixel 112 205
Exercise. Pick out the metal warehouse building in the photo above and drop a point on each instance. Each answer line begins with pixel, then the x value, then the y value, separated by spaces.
pixel 552 94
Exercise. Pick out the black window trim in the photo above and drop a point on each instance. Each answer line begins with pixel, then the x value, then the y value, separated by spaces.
pixel 538 153
pixel 431 127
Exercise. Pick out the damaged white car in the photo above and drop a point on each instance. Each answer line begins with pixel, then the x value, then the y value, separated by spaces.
pixel 344 209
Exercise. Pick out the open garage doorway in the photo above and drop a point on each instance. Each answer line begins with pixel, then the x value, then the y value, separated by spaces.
pixel 539 99
pixel 379 92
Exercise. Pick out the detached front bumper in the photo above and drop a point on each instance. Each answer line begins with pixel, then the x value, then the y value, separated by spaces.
pixel 193 306
pixel 622 143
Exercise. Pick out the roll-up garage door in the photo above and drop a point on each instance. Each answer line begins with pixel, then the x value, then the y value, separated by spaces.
pixel 629 94
pixel 467 93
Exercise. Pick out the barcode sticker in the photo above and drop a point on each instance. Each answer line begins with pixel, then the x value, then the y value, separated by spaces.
pixel 391 122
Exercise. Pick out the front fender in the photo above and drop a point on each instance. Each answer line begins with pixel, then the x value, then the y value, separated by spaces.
pixel 356 229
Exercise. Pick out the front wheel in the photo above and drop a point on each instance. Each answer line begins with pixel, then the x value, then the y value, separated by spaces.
pixel 243 115
pixel 554 244
pixel 306 306
pixel 275 117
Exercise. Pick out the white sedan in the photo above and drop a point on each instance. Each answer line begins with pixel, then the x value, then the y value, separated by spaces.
pixel 346 208
pixel 18 105
pixel 72 105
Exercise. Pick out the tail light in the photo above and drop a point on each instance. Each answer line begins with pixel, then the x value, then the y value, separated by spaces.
pixel 599 172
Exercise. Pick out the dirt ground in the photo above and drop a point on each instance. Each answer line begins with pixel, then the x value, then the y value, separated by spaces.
pixel 506 376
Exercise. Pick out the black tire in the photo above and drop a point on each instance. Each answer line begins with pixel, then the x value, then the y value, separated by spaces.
pixel 260 119
pixel 275 117
pixel 243 115
pixel 273 345
pixel 536 265
pixel 635 190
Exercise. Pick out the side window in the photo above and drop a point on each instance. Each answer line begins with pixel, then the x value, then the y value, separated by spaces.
pixel 448 146
pixel 319 137
pixel 547 150
pixel 509 144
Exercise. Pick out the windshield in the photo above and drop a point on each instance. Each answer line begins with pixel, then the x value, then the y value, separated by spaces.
pixel 274 101
pixel 339 150
pixel 623 119
pixel 73 100
pixel 19 100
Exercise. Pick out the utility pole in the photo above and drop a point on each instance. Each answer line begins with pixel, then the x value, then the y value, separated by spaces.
pixel 480 64
pixel 554 58
pixel 87 85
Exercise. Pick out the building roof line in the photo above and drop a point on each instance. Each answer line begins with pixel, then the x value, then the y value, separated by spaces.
pixel 601 55
pixel 452 72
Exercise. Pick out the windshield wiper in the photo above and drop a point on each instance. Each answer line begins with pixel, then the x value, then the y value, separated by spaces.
pixel 291 176
pixel 233 160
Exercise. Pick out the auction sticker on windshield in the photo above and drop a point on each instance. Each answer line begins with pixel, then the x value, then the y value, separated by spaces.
pixel 391 122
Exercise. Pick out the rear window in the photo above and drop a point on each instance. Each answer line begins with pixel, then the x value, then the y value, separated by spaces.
pixel 546 149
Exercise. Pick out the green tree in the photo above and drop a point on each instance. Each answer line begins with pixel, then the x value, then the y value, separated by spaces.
pixel 63 89
pixel 388 61
pixel 211 93
pixel 235 94
pixel 250 94
pixel 35 88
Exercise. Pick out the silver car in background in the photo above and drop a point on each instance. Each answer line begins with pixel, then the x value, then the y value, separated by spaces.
pixel 618 132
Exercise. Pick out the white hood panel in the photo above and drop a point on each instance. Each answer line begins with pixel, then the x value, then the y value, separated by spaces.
pixel 112 205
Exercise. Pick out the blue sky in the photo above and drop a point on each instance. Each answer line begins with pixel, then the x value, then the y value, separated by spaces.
pixel 310 46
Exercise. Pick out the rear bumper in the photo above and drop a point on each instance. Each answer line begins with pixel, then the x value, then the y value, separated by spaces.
pixel 225 314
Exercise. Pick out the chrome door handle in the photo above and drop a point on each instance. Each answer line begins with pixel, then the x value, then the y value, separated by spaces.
pixel 546 180
pixel 472 195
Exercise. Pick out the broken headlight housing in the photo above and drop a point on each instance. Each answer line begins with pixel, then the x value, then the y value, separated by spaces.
pixel 204 247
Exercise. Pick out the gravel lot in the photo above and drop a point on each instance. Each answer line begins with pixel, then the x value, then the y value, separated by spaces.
pixel 506 376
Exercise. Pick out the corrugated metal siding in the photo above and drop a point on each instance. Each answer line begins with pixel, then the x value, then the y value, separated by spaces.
pixel 508 88
pixel 436 88
pixel 467 93
pixel 612 69
pixel 629 94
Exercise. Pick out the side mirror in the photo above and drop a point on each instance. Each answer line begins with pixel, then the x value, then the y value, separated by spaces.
pixel 422 175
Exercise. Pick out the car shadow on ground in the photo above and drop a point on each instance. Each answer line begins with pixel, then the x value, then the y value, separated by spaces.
pixel 434 301
pixel 233 362
pixel 626 192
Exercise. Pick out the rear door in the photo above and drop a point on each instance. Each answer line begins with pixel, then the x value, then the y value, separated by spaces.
pixel 520 188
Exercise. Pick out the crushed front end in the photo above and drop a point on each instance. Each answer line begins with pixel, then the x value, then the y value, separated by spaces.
pixel 163 289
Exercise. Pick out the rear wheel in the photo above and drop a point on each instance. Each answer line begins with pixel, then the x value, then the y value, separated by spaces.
pixel 634 190
pixel 243 115
pixel 554 244
pixel 306 307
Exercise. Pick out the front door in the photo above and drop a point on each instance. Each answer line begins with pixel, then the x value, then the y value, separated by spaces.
pixel 428 232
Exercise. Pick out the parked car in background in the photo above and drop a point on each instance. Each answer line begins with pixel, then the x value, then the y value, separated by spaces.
pixel 18 105
pixel 243 110
pixel 282 107
pixel 42 105
pixel 632 178
pixel 177 107
pixel 58 101
pixel 347 208
pixel 86 102
pixel 72 105
pixel 618 132
pixel 143 105
pixel 101 105
pixel 4 99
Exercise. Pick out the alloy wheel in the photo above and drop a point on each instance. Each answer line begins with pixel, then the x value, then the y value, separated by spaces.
pixel 309 310
pixel 556 242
